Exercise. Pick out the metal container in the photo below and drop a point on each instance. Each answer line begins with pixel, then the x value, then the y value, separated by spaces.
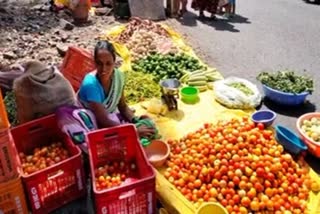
pixel 170 86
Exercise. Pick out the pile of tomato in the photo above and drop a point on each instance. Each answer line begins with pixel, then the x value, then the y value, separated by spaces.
pixel 240 165
pixel 113 174
pixel 43 157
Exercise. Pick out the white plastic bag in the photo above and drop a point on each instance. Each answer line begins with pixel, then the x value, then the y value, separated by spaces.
pixel 234 98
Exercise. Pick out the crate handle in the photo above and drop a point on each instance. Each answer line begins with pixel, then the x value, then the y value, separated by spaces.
pixel 127 194
pixel 55 175
pixel 35 128
pixel 111 135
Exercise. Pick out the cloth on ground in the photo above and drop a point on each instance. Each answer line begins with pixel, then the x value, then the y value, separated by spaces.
pixel 7 77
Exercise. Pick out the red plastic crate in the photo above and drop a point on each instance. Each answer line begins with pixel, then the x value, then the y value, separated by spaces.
pixel 122 144
pixel 8 157
pixel 4 121
pixel 56 185
pixel 76 64
pixel 12 198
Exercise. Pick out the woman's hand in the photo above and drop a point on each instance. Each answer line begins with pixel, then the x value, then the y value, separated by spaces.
pixel 142 117
pixel 145 131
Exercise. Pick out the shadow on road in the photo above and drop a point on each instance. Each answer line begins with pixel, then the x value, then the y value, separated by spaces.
pixel 190 19
pixel 315 2
pixel 313 162
pixel 290 111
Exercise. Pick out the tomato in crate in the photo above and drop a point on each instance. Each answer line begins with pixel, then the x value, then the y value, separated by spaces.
pixel 117 156
pixel 8 157
pixel 53 173
pixel 12 198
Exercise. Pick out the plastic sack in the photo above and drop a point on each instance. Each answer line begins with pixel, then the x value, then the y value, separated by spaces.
pixel 232 97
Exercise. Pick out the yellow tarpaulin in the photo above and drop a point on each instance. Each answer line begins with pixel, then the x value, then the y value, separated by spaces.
pixel 187 119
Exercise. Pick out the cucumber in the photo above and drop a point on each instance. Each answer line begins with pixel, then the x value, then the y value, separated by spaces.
pixel 197 72
pixel 214 76
pixel 197 83
pixel 197 78
pixel 184 78
pixel 210 85
pixel 202 88
pixel 211 70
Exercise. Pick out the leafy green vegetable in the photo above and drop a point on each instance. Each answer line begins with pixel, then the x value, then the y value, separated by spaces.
pixel 11 107
pixel 167 66
pixel 140 87
pixel 287 81
pixel 242 87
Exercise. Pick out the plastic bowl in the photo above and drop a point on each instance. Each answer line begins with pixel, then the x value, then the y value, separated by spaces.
pixel 266 117
pixel 284 98
pixel 189 94
pixel 157 152
pixel 314 147
pixel 211 207
pixel 289 140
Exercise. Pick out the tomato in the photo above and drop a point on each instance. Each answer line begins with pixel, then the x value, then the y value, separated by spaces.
pixel 238 162
pixel 245 201
pixel 254 205
pixel 260 126
pixel 197 183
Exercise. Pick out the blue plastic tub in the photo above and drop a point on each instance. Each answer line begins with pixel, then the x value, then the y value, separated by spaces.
pixel 289 140
pixel 266 117
pixel 284 98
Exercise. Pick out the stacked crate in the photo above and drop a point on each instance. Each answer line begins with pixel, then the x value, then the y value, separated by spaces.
pixel 12 198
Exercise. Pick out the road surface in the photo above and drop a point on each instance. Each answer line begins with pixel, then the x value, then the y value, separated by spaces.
pixel 265 35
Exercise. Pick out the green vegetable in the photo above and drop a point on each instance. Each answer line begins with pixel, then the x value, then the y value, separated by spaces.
pixel 11 107
pixel 167 66
pixel 140 87
pixel 242 87
pixel 287 81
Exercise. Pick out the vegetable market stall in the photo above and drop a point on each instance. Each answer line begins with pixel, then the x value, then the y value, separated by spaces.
pixel 190 118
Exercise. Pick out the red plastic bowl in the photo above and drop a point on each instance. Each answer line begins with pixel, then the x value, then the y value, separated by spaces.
pixel 314 147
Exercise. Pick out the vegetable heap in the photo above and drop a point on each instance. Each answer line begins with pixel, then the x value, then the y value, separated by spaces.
pixel 140 87
pixel 311 128
pixel 240 165
pixel 286 81
pixel 242 87
pixel 167 66
pixel 137 24
pixel 11 107
pixel 201 79
pixel 144 42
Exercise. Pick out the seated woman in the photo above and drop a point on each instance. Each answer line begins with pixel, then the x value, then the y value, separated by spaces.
pixel 102 92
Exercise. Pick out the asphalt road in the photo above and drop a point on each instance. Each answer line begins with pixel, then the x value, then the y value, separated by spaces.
pixel 265 35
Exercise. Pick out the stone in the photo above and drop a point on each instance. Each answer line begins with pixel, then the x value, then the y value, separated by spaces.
pixel 64 37
pixel 62 49
pixel 9 55
pixel 34 26
pixel 66 25
pixel 37 7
